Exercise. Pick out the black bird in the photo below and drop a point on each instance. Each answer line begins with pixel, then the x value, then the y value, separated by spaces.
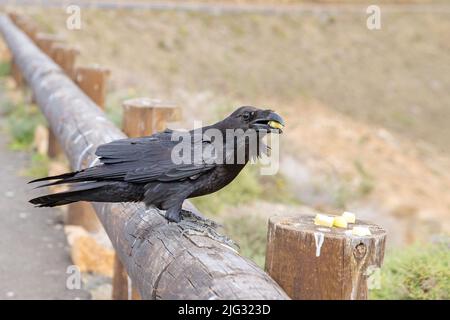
pixel 143 169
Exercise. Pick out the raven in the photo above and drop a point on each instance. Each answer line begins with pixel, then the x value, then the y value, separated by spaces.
pixel 144 169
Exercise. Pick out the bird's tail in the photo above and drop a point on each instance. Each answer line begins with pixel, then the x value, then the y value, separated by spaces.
pixel 58 177
pixel 56 199
pixel 99 191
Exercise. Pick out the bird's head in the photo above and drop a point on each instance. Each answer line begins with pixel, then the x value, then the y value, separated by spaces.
pixel 257 119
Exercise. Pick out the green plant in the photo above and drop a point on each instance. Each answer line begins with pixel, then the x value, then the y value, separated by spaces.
pixel 39 166
pixel 5 68
pixel 367 182
pixel 250 232
pixel 420 271
pixel 7 107
pixel 248 186
pixel 115 114
pixel 243 189
pixel 22 122
pixel 342 195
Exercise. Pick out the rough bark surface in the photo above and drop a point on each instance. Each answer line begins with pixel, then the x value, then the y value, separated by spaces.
pixel 315 262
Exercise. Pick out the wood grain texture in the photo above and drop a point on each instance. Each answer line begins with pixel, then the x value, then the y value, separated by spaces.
pixel 65 56
pixel 119 281
pixel 144 116
pixel 162 262
pixel 93 81
pixel 16 75
pixel 46 41
pixel 83 214
pixel 314 262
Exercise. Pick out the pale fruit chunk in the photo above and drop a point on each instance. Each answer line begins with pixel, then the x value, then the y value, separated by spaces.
pixel 340 222
pixel 323 220
pixel 349 217
pixel 361 231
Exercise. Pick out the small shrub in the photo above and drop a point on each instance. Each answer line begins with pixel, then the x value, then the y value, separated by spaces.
pixel 416 272
pixel 243 189
pixel 22 122
pixel 250 233
pixel 5 68
pixel 367 182
pixel 39 166
pixel 248 186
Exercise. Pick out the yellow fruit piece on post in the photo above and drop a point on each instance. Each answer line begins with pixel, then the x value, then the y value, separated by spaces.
pixel 361 231
pixel 350 217
pixel 340 222
pixel 323 220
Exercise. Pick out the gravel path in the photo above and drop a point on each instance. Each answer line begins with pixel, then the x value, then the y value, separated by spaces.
pixel 34 253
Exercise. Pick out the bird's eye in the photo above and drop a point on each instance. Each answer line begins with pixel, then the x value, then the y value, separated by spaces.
pixel 247 115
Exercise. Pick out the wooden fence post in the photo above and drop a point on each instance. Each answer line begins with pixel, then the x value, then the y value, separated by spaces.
pixel 65 57
pixel 314 262
pixel 16 75
pixel 92 80
pixel 46 41
pixel 141 117
pixel 28 26
pixel 119 281
pixel 144 116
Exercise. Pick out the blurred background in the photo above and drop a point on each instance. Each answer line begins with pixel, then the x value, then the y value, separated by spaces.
pixel 367 111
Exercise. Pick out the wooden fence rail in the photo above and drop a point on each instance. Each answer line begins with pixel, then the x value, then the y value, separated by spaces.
pixel 161 262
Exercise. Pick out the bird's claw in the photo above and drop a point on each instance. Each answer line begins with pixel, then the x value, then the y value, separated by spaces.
pixel 189 216
pixel 193 224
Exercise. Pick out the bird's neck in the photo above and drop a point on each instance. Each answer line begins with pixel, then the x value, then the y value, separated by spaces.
pixel 237 148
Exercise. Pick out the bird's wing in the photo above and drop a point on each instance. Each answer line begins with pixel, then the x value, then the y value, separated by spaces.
pixel 146 159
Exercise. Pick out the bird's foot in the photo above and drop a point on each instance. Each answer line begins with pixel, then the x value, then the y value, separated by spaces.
pixel 193 224
pixel 191 217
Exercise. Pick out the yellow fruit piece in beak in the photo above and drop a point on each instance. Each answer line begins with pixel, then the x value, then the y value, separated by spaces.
pixel 275 125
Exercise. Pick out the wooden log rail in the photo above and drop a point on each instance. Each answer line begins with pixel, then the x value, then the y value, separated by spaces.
pixel 161 262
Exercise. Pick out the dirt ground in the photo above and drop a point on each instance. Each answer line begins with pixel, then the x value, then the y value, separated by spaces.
pixel 366 111
pixel 35 255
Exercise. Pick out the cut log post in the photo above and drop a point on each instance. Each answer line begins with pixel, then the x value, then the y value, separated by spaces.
pixel 315 262
pixel 82 213
pixel 135 293
pixel 28 26
pixel 141 117
pixel 13 16
pixel 144 116
pixel 65 57
pixel 120 281
pixel 93 80
pixel 54 148
pixel 16 75
pixel 46 41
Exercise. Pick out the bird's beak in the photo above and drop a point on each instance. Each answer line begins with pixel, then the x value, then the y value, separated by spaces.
pixel 268 120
